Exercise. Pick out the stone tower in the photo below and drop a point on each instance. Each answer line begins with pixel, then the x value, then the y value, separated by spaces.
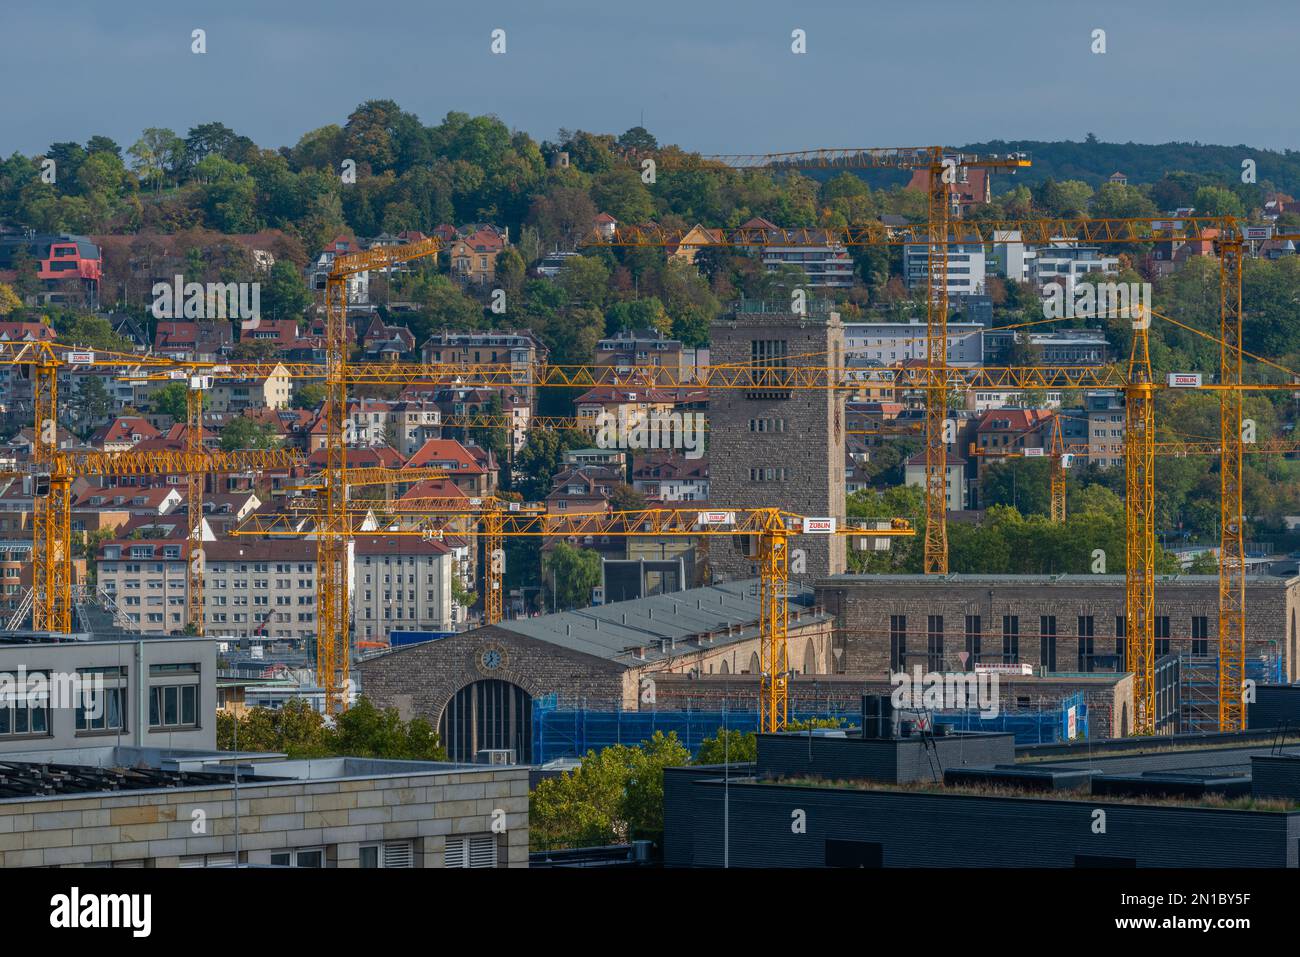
pixel 782 448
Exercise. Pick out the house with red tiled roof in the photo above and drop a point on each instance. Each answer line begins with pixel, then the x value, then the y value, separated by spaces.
pixel 435 488
pixel 474 256
pixel 282 333
pixel 197 341
pixel 464 468
pixel 26 332
pixel 605 225
pixel 1002 431
pixel 374 456
pixel 123 433
pixel 628 404
pixel 670 477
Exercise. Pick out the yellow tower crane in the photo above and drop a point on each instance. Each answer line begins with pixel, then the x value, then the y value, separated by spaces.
pixel 1138 386
pixel 945 170
pixel 772 528
pixel 332 651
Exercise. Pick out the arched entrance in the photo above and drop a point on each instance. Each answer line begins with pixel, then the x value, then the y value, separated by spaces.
pixel 488 715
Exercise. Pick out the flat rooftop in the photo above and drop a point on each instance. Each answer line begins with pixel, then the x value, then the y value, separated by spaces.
pixel 26 776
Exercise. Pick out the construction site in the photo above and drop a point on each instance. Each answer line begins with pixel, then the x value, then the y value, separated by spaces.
pixel 488 492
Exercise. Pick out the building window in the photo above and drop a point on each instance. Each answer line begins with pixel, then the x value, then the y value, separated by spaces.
pixel 19 714
pixel 934 643
pixel 897 642
pixel 973 634
pixel 1162 636
pixel 173 706
pixel 303 857
pixel 1200 637
pixel 1011 639
pixel 471 850
pixel 1047 642
pixel 1121 630
pixel 391 854
pixel 1086 647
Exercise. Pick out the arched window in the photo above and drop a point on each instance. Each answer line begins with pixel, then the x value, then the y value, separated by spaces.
pixel 488 715
pixel 753 663
pixel 723 669
pixel 809 658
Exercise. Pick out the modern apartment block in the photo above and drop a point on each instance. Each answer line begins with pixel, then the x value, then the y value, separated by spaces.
pixel 401 583
pixel 966 268
pixel 892 342
pixel 253 587
pixel 777 446
pixel 148 579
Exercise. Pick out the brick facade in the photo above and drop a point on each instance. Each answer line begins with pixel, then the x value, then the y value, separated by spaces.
pixel 869 608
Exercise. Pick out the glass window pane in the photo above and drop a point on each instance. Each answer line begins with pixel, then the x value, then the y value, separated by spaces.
pixel 6 720
pixel 20 720
pixel 171 705
pixel 40 720
pixel 188 709
pixel 370 857
pixel 115 708
pixel 155 694
pixel 311 859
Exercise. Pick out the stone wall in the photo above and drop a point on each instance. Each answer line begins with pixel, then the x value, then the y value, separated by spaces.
pixel 809 445
pixel 158 827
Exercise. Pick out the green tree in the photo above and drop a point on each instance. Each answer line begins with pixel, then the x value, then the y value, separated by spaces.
pixel 241 432
pixel 540 457
pixel 285 294
pixel 615 795
pixel 158 154
pixel 571 575
pixel 172 399
pixel 366 731
pixel 308 396
pixel 1217 201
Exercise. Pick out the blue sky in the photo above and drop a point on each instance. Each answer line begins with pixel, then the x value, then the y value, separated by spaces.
pixel 712 75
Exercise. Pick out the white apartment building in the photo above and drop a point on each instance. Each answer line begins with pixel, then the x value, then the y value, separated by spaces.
pixel 401 583
pixel 148 579
pixel 891 342
pixel 980 401
pixel 253 587
pixel 1065 261
pixel 954 471
pixel 1010 257
pixel 966 268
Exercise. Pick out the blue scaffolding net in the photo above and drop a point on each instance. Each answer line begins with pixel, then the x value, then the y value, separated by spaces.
pixel 571 732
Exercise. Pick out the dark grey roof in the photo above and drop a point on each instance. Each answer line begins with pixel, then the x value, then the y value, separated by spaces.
pixel 661 625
